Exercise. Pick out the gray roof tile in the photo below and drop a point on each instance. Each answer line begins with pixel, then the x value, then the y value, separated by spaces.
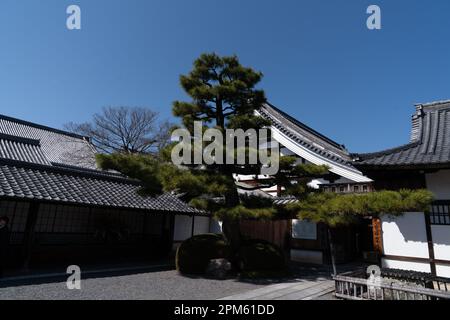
pixel 306 136
pixel 21 149
pixel 42 163
pixel 26 181
pixel 430 141
pixel 58 146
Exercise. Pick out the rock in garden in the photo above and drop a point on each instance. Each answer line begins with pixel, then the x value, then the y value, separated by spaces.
pixel 218 268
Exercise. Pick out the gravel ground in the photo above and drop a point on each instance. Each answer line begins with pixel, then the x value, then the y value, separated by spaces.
pixel 163 285
pixel 152 284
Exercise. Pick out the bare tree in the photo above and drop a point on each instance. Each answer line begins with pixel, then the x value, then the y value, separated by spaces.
pixel 125 130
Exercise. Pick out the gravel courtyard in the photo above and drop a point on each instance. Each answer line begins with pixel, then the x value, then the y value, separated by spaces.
pixel 162 285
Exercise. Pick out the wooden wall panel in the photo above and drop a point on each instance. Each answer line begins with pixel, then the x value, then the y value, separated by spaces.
pixel 277 232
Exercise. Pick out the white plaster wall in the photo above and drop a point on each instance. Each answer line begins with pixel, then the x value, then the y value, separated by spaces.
pixel 202 225
pixel 441 242
pixel 405 236
pixel 443 271
pixel 303 229
pixel 439 184
pixel 403 265
pixel 183 227
pixel 306 256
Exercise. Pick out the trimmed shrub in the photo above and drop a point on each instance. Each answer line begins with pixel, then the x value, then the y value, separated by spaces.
pixel 194 254
pixel 261 257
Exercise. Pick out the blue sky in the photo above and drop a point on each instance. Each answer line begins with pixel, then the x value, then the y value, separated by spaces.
pixel 321 63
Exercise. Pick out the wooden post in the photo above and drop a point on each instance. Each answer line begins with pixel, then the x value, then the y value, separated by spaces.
pixel 332 251
pixel 144 226
pixel 193 225
pixel 30 229
pixel 430 244
pixel 171 231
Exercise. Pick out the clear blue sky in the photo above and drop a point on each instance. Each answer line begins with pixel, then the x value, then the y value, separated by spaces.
pixel 321 63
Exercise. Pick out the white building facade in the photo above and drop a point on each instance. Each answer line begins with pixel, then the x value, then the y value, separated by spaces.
pixel 417 241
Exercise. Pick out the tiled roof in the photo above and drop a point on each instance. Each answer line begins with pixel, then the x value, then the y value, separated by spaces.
pixel 58 146
pixel 306 136
pixel 22 149
pixel 27 181
pixel 46 164
pixel 430 141
pixel 281 201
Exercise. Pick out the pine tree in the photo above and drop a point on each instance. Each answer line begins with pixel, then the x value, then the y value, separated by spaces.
pixel 224 96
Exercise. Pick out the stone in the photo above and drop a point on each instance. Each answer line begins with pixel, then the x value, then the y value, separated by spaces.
pixel 218 268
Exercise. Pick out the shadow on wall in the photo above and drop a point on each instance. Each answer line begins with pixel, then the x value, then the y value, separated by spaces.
pixel 410 228
pixel 441 235
pixel 406 232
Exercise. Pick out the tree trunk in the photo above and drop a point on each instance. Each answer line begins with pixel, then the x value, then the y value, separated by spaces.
pixel 332 251
pixel 231 229
pixel 231 226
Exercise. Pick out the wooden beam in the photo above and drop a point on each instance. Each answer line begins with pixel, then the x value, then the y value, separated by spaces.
pixel 193 225
pixel 417 260
pixel 30 230
pixel 430 244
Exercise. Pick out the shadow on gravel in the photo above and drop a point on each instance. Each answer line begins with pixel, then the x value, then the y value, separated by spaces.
pixel 297 273
pixel 93 273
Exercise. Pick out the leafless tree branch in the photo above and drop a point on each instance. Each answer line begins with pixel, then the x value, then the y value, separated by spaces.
pixel 125 129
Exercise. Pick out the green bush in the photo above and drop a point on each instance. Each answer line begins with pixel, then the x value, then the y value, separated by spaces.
pixel 261 257
pixel 194 254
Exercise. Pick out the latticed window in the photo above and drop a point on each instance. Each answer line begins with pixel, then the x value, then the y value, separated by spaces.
pixel 440 213
pixel 17 214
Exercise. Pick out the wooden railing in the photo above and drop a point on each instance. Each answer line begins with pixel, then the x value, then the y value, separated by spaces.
pixel 351 287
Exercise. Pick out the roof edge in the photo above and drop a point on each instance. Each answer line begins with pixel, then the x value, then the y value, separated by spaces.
pixel 43 127
pixel 308 128
pixel 18 139
pixel 367 156
pixel 73 171
pixel 432 103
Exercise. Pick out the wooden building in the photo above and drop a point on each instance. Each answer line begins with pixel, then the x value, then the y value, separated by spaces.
pixel 417 241
pixel 64 210
pixel 414 241
pixel 307 241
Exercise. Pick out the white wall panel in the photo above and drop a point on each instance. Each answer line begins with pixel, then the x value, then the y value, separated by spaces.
pixel 183 227
pixel 443 271
pixel 441 241
pixel 405 236
pixel 439 184
pixel 404 265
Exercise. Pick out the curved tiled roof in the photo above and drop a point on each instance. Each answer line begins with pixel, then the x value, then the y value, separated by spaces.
pixel 21 149
pixel 45 164
pixel 306 136
pixel 26 181
pixel 430 143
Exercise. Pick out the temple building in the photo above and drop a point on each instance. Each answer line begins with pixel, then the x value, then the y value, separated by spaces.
pixel 307 241
pixel 414 241
pixel 417 241
pixel 64 210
